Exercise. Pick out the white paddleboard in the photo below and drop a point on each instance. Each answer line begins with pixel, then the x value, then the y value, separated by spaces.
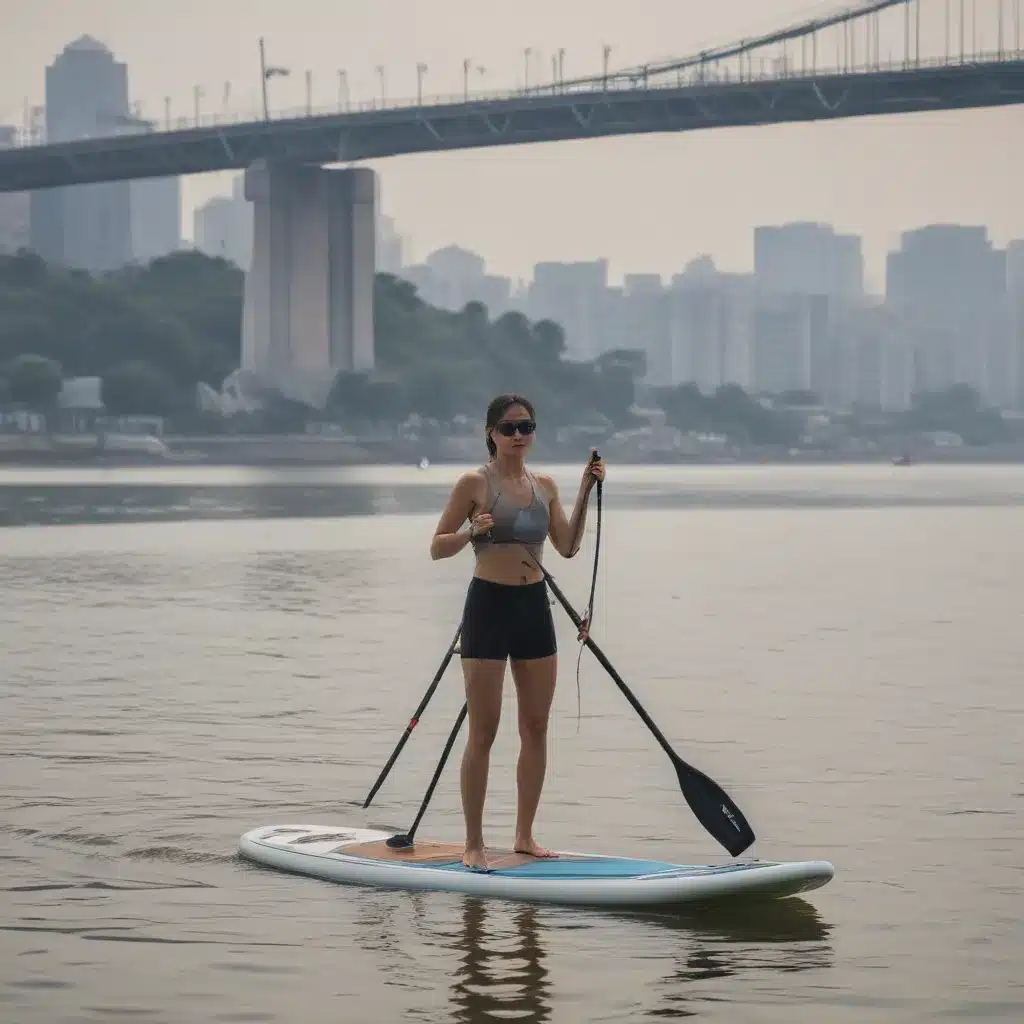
pixel 359 856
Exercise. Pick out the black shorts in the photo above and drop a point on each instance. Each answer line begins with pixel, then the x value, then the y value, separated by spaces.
pixel 502 620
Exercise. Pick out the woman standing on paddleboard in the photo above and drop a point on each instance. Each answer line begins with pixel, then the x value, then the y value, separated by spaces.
pixel 507 616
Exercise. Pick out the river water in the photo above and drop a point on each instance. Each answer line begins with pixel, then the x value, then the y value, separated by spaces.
pixel 191 653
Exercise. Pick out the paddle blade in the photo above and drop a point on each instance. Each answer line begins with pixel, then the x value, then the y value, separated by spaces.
pixel 714 809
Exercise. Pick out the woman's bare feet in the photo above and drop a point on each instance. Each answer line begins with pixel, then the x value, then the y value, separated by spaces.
pixel 532 847
pixel 475 858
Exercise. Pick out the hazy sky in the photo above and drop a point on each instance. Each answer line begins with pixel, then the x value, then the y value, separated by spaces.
pixel 647 203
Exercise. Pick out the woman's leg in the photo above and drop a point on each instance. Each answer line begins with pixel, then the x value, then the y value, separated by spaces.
pixel 535 687
pixel 484 679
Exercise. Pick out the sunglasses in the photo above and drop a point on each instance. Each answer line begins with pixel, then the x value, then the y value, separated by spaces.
pixel 507 428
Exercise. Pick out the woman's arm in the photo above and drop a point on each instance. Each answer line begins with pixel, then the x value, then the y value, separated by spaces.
pixel 567 534
pixel 448 540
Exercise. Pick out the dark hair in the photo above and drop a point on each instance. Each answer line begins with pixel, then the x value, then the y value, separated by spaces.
pixel 498 407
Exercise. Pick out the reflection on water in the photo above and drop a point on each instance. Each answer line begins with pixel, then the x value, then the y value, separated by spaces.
pixel 500 957
pixel 116 503
pixel 157 495
pixel 502 972
pixel 786 936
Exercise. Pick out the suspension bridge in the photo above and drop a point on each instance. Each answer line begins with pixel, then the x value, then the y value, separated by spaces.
pixel 883 57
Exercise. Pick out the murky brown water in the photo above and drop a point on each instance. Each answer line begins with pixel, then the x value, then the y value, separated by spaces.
pixel 840 648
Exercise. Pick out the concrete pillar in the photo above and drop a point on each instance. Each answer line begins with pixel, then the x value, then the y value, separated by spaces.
pixel 309 290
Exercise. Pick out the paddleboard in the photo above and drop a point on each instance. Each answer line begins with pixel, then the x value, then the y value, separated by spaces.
pixel 359 856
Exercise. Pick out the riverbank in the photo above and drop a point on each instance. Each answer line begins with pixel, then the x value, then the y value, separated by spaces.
pixel 318 450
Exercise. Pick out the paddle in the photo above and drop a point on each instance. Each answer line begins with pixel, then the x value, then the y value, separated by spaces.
pixel 708 801
pixel 414 721
pixel 404 841
pixel 588 612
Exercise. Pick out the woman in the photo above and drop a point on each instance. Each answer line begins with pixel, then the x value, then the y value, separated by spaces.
pixel 507 615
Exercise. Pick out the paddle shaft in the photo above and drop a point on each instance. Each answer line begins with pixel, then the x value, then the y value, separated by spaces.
pixel 715 810
pixel 414 721
pixel 609 668
pixel 437 772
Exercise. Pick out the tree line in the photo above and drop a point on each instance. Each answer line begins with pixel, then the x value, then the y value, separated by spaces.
pixel 152 332
pixel 441 364
pixel 149 332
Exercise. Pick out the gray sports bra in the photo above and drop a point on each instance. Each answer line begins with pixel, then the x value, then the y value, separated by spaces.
pixel 515 524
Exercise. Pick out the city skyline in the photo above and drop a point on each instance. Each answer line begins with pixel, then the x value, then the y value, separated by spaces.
pixel 647 203
pixel 952 313
pixel 408 258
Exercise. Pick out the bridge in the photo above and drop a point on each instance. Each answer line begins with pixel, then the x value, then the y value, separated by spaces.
pixel 822 69
pixel 309 292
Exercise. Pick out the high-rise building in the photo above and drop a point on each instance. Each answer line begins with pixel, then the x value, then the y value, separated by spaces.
pixel 14 232
pixel 1015 288
pixel 155 209
pixel 450 277
pixel 642 284
pixel 575 295
pixel 85 226
pixel 873 360
pixel 790 343
pixel 390 246
pixel 949 284
pixel 711 324
pixel 808 259
pixel 156 218
pixel 222 227
pixel 454 276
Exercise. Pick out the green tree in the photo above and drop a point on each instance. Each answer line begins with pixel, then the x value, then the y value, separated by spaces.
pixel 200 298
pixel 474 318
pixel 615 389
pixel 958 409
pixel 548 341
pixel 685 407
pixel 442 391
pixel 24 269
pixel 34 381
pixel 137 388
pixel 388 397
pixel 800 398
pixel 181 316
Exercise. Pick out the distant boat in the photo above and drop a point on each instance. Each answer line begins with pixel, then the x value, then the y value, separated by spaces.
pixel 424 463
pixel 901 460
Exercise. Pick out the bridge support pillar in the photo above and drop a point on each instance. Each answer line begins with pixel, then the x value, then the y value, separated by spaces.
pixel 309 291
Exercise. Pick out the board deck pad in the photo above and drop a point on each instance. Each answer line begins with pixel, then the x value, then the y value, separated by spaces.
pixel 358 856
pixel 427 851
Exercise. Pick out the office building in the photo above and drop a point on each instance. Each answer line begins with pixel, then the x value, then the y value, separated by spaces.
pixel 949 285
pixel 808 259
pixel 222 227
pixel 85 226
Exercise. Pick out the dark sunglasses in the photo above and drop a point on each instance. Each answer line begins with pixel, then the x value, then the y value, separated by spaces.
pixel 507 428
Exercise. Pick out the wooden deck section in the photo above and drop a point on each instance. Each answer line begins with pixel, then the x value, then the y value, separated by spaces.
pixel 427 851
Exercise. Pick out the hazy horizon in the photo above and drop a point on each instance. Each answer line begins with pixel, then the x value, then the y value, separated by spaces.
pixel 647 203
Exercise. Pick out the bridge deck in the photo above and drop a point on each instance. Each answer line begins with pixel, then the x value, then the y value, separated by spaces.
pixel 345 137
